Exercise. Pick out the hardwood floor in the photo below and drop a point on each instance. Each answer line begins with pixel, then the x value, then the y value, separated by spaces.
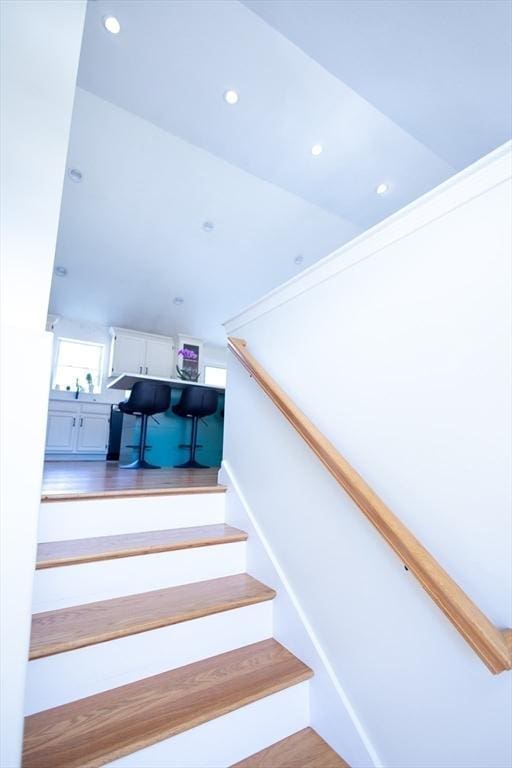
pixel 64 480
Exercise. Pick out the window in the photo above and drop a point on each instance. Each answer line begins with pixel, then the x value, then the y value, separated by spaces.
pixel 214 376
pixel 78 361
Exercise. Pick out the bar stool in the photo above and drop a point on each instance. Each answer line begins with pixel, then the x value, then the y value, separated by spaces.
pixel 146 399
pixel 195 403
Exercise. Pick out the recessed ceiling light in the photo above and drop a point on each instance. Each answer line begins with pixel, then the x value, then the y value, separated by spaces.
pixel 231 97
pixel 299 258
pixel 208 226
pixel 75 175
pixel 60 271
pixel 316 150
pixel 112 25
pixel 382 189
pixel 178 301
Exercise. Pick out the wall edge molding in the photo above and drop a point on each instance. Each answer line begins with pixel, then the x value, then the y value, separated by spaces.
pixel 488 172
pixel 358 727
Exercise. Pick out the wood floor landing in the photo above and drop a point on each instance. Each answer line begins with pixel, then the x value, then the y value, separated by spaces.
pixel 64 480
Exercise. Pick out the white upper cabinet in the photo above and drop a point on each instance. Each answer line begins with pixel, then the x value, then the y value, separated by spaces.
pixel 128 354
pixel 133 352
pixel 159 357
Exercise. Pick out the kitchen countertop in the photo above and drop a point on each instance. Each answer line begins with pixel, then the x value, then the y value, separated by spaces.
pixel 127 380
pixel 61 395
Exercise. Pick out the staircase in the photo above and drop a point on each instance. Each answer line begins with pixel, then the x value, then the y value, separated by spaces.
pixel 152 647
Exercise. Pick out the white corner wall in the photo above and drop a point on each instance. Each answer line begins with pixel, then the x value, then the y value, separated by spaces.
pixel 330 712
pixel 40 50
pixel 398 347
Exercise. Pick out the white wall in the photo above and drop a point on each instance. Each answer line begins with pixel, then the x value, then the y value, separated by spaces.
pixel 398 348
pixel 40 49
pixel 330 712
pixel 214 354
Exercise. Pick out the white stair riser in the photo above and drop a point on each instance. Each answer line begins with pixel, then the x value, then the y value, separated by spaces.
pixel 70 585
pixel 65 677
pixel 230 738
pixel 61 520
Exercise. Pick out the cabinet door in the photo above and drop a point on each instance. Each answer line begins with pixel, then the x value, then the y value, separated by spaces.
pixel 128 355
pixel 159 358
pixel 61 431
pixel 92 433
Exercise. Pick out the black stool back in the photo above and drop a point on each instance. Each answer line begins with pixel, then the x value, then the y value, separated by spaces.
pixel 195 402
pixel 146 399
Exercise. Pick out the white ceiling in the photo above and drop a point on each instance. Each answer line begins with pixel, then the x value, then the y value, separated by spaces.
pixel 442 69
pixel 131 232
pixel 161 152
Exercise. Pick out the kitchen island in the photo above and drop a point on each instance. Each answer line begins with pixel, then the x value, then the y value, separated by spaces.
pixel 168 435
pixel 125 381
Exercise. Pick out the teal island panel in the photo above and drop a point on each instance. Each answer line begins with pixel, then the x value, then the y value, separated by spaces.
pixel 168 433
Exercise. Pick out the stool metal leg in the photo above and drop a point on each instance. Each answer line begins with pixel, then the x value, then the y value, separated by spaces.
pixel 141 463
pixel 192 463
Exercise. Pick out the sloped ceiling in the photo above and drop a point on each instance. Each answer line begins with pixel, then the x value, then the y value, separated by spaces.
pixel 161 152
pixel 441 69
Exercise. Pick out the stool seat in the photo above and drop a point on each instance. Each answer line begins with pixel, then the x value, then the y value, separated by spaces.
pixel 147 398
pixel 195 403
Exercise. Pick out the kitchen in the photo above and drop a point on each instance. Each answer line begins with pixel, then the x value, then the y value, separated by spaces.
pixel 95 368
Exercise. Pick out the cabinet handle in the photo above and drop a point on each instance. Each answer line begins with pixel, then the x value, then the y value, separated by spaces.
pixel 146 369
pixel 81 422
pixel 74 420
pixel 140 368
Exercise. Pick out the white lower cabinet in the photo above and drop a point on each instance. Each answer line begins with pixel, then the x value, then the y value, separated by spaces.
pixel 77 428
pixel 92 434
pixel 60 431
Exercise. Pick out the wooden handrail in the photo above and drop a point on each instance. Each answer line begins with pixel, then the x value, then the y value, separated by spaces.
pixel 490 643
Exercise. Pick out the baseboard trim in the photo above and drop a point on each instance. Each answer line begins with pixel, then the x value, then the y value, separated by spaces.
pixel 75 456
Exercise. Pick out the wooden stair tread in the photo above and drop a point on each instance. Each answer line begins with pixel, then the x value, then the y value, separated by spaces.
pixel 305 749
pixel 67 495
pixel 74 551
pixel 76 627
pixel 98 729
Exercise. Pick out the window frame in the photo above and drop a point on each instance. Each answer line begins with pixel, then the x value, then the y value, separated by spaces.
pixel 83 343
pixel 218 367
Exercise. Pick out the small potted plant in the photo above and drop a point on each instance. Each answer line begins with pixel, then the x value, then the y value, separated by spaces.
pixel 188 372
pixel 90 382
